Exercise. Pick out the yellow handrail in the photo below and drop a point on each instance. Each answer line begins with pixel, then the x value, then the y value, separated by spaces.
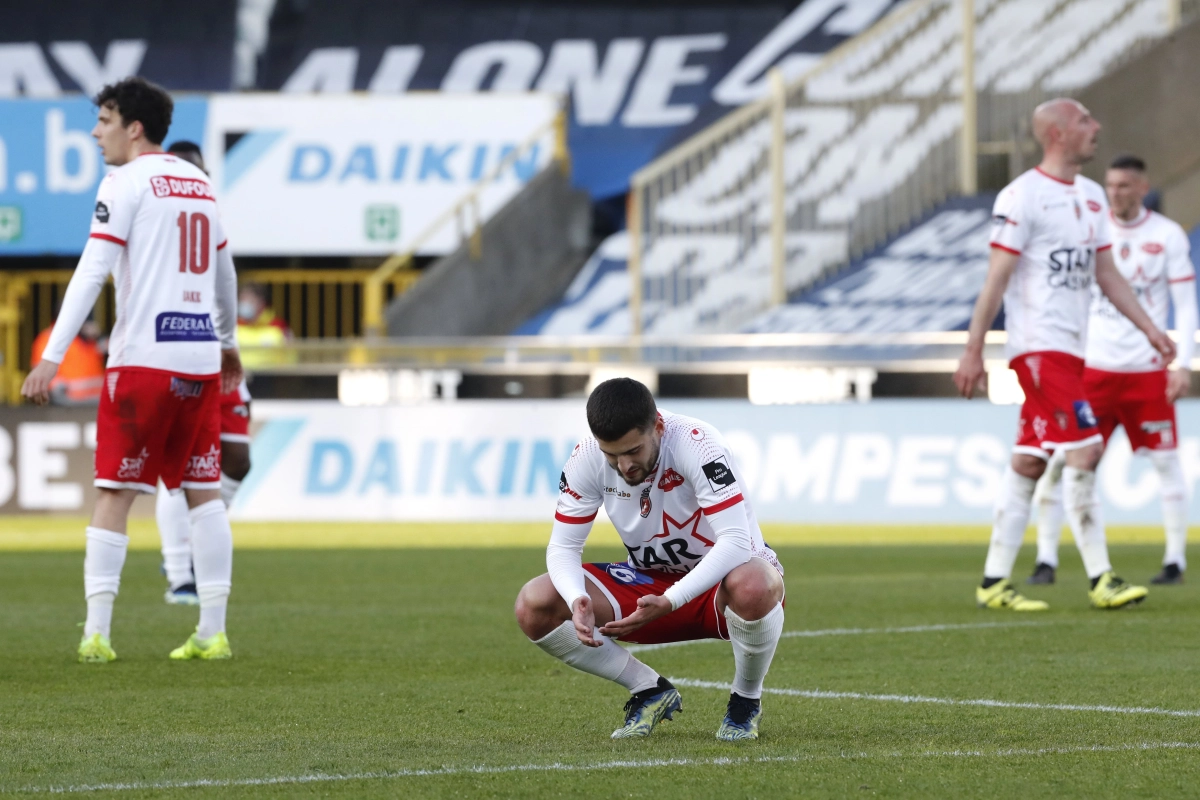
pixel 12 291
pixel 468 205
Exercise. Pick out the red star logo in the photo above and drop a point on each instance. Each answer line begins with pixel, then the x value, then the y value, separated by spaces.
pixel 693 520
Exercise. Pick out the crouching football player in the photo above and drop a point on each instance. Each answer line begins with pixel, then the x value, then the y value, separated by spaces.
pixel 697 569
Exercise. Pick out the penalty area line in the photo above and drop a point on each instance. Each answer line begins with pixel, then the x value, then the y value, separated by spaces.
pixel 817 694
pixel 642 648
pixel 602 765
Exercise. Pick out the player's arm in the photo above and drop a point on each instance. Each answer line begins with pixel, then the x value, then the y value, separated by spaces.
pixel 95 265
pixel 1181 277
pixel 578 503
pixel 225 303
pixel 1117 290
pixel 1002 263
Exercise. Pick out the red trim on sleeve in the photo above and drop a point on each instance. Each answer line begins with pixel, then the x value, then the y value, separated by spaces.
pixel 222 244
pixel 561 517
pixel 721 506
pixel 1102 249
pixel 1006 249
pixel 107 238
pixel 1182 280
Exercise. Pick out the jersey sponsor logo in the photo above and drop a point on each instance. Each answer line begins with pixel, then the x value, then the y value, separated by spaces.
pixel 670 480
pixel 1083 414
pixel 1153 248
pixel 205 466
pixel 193 188
pixel 624 573
pixel 644 503
pixel 719 474
pixel 131 468
pixel 1071 268
pixel 101 211
pixel 670 558
pixel 564 487
pixel 183 388
pixel 617 492
pixel 1093 206
pixel 176 326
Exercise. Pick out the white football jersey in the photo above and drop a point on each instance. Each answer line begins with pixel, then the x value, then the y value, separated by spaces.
pixel 663 521
pixel 162 211
pixel 1056 228
pixel 1151 252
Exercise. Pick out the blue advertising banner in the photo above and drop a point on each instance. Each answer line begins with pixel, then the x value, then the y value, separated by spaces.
pixel 50 168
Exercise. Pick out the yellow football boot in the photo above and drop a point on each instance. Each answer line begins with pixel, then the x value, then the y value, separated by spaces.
pixel 1003 595
pixel 1113 592
pixel 96 649
pixel 211 649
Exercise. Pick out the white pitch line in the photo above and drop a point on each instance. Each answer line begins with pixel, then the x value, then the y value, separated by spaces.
pixel 603 765
pixel 817 694
pixel 642 648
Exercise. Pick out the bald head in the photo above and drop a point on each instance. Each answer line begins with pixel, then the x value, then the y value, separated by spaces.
pixel 1066 130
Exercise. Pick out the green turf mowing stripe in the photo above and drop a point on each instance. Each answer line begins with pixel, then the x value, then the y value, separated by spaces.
pixel 818 694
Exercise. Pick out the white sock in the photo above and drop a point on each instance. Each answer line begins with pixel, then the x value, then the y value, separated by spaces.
pixel 102 564
pixel 229 488
pixel 212 559
pixel 1087 524
pixel 1050 522
pixel 753 648
pixel 174 528
pixel 1174 504
pixel 1011 516
pixel 610 660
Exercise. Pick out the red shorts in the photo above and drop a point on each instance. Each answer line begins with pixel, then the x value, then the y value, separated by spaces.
pixel 1056 413
pixel 235 417
pixel 1136 400
pixel 623 585
pixel 152 424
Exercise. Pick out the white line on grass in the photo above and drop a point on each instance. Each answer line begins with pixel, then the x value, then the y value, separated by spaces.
pixel 817 694
pixel 641 648
pixel 602 765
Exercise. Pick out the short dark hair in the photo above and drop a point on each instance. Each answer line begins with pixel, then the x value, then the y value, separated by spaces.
pixel 138 100
pixel 619 406
pixel 189 152
pixel 1127 161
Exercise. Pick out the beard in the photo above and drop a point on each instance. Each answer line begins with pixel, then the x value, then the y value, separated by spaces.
pixel 646 469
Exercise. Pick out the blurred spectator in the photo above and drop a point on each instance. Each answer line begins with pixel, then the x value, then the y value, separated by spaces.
pixel 80 376
pixel 259 327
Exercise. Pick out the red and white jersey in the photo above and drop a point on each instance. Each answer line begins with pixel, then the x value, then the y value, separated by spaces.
pixel 1152 252
pixel 162 211
pixel 1056 228
pixel 663 521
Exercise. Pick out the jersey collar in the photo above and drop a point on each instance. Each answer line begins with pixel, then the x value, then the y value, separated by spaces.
pixel 1138 220
pixel 1045 174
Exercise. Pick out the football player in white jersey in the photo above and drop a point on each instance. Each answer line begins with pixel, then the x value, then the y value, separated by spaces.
pixel 697 568
pixel 1126 380
pixel 1050 241
pixel 171 510
pixel 157 232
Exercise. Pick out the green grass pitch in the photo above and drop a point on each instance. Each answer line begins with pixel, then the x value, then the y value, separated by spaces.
pixel 389 673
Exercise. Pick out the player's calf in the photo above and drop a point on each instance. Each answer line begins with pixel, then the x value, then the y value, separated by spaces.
pixel 753 599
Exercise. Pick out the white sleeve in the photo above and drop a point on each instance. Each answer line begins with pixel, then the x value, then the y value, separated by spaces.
pixel 1011 226
pixel 1181 276
pixel 731 550
pixel 578 501
pixel 95 265
pixel 226 299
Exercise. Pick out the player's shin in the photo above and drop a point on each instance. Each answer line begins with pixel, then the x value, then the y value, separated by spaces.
pixel 754 644
pixel 171 513
pixel 229 488
pixel 212 559
pixel 1008 527
pixel 1083 515
pixel 102 564
pixel 1174 505
pixel 1050 522
pixel 609 660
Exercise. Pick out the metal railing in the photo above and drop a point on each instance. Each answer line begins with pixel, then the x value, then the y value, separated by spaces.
pixel 324 303
pixel 467 217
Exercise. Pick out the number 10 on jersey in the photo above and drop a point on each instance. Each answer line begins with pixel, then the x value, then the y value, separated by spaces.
pixel 193 242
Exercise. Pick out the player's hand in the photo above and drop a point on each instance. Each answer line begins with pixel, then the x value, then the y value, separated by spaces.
pixel 231 370
pixel 1163 344
pixel 1179 383
pixel 970 377
pixel 583 617
pixel 648 610
pixel 37 382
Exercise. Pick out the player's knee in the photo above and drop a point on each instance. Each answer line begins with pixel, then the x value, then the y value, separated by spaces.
pixel 1085 458
pixel 753 589
pixel 534 603
pixel 1028 466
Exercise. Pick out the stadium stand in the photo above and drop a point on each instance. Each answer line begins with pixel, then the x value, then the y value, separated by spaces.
pixel 869 148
